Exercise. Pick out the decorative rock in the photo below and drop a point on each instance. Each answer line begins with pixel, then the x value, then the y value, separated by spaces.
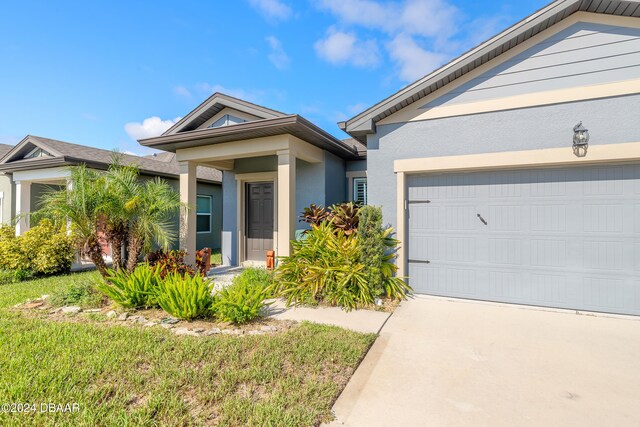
pixel 181 331
pixel 198 330
pixel 111 314
pixel 268 328
pixel 254 332
pixel 34 304
pixel 72 309
pixel 44 297
pixel 123 316
pixel 169 320
pixel 93 310
pixel 149 324
pixel 167 325
pixel 213 331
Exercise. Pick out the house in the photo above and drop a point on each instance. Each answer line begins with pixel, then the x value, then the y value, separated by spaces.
pixel 485 166
pixel 273 165
pixel 36 165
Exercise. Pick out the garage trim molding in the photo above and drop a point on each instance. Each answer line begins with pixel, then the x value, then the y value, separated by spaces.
pixel 550 157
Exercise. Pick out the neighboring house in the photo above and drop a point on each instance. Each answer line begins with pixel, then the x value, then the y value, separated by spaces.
pixel 36 165
pixel 474 165
pixel 6 190
pixel 273 164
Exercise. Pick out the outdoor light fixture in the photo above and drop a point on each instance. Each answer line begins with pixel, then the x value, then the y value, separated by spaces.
pixel 580 140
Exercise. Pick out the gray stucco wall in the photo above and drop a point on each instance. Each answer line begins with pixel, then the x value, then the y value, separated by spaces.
pixel 8 191
pixel 609 120
pixel 335 189
pixel 356 165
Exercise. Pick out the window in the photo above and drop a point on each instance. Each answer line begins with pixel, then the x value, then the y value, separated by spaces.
pixel 37 152
pixel 360 190
pixel 226 120
pixel 203 214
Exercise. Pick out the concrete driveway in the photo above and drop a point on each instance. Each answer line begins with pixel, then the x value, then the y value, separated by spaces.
pixel 456 362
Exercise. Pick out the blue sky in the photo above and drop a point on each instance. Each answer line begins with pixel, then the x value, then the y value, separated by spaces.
pixel 106 73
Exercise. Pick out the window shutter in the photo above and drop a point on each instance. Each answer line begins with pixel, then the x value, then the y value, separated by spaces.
pixel 360 190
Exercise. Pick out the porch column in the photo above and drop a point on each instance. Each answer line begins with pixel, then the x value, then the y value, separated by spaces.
pixel 286 201
pixel 188 193
pixel 23 206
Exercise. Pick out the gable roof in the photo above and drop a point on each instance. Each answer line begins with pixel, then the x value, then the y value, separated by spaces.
pixel 364 123
pixel 67 154
pixel 213 105
pixel 292 124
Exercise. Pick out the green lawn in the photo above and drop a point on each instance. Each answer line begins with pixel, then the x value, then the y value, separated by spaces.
pixel 128 376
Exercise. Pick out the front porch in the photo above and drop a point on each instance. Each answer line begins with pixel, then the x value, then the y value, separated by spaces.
pixel 260 178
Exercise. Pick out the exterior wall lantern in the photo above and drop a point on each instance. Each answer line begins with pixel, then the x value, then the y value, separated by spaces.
pixel 580 140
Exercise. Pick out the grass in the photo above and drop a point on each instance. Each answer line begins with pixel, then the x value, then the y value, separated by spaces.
pixel 149 377
pixel 216 257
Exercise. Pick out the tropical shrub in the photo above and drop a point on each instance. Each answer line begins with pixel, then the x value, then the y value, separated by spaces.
pixel 314 215
pixel 326 266
pixel 82 294
pixel 244 299
pixel 132 290
pixel 169 262
pixel 185 296
pixel 344 216
pixel 44 249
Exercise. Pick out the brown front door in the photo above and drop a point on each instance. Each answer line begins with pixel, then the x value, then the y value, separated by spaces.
pixel 259 220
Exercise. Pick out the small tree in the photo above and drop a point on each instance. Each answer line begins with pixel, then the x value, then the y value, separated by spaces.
pixel 81 205
pixel 115 207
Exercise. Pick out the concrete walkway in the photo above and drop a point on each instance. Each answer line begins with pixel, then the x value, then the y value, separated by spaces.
pixel 366 321
pixel 442 362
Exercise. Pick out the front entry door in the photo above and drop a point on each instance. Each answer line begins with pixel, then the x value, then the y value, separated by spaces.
pixel 259 220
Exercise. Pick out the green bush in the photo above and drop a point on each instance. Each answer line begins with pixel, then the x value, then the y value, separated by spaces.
pixel 83 294
pixel 44 249
pixel 244 299
pixel 326 266
pixel 14 276
pixel 132 290
pixel 184 296
pixel 371 241
pixel 348 269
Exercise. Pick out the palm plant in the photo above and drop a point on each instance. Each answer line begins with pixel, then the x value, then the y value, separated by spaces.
pixel 81 205
pixel 151 210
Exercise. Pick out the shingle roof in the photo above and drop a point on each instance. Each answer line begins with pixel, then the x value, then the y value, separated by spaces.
pixel 4 149
pixel 150 165
pixel 362 149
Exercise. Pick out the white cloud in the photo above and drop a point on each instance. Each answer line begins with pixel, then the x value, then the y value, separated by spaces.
pixel 340 47
pixel 407 26
pixel 182 91
pixel 413 61
pixel 150 127
pixel 429 18
pixel 209 89
pixel 273 9
pixel 277 55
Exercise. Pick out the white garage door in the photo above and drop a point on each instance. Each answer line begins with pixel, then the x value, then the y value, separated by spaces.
pixel 567 238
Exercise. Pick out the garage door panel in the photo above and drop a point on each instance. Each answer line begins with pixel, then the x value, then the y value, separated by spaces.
pixel 566 238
